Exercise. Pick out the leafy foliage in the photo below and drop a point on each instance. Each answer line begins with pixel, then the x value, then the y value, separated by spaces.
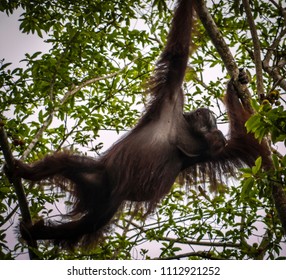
pixel 93 79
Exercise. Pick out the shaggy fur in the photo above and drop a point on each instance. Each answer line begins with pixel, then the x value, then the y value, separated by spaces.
pixel 143 165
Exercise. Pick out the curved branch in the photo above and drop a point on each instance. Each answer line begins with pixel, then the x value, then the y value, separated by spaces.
pixel 38 135
pixel 67 95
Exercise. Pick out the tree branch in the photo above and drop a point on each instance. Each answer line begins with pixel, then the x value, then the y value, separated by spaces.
pixel 216 37
pixel 38 135
pixel 201 243
pixel 67 95
pixel 274 71
pixel 201 254
pixel 223 49
pixel 282 10
pixel 16 181
pixel 257 49
pixel 279 198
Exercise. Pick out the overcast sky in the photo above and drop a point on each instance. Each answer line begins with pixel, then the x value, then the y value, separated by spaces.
pixel 15 44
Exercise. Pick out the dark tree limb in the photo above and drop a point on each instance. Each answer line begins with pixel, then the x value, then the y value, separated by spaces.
pixel 200 254
pixel 216 37
pixel 256 49
pixel 16 181
pixel 222 48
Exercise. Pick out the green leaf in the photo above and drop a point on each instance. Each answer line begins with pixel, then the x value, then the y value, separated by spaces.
pixel 253 123
pixel 275 160
pixel 255 105
pixel 257 166
pixel 246 188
